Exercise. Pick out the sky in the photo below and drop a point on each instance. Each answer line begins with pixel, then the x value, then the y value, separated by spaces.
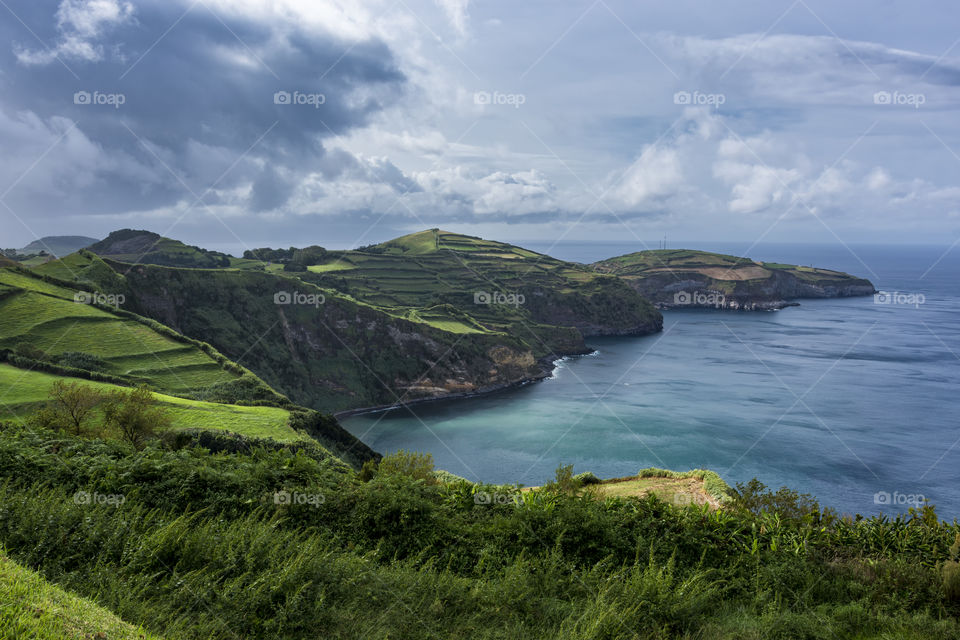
pixel 235 124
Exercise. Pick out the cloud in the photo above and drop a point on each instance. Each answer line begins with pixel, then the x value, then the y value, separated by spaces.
pixel 337 114
pixel 456 11
pixel 80 23
pixel 220 102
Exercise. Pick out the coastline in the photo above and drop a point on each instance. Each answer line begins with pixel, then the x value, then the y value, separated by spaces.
pixel 548 367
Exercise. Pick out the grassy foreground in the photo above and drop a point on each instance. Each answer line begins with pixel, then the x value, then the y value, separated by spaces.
pixel 32 608
pixel 23 391
pixel 277 543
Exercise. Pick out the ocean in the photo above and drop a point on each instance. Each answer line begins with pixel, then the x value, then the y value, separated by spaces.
pixel 854 400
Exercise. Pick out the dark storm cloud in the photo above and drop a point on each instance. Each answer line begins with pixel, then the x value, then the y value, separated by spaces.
pixel 195 100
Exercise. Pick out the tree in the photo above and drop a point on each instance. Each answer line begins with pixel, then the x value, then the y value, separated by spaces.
pixel 70 407
pixel 135 415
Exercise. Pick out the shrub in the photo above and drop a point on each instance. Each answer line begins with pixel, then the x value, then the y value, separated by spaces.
pixel 81 360
pixel 787 503
pixel 418 466
pixel 951 573
pixel 564 481
pixel 587 477
pixel 29 351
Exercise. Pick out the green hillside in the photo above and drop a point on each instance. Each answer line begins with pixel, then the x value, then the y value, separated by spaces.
pixel 146 247
pixel 54 329
pixel 429 315
pixel 444 278
pixel 47 316
pixel 25 391
pixel 31 607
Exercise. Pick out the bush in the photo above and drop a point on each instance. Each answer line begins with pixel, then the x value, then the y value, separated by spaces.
pixel 418 466
pixel 29 351
pixel 587 477
pixel 81 360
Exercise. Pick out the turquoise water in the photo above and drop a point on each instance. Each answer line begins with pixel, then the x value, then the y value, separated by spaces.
pixel 844 399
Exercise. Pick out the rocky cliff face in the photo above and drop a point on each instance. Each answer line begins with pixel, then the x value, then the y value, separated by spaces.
pixel 323 350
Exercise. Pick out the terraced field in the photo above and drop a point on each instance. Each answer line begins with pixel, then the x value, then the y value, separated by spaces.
pixel 23 391
pixel 45 316
pixel 447 280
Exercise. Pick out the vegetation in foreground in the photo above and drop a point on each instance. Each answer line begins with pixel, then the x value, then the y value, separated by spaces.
pixel 30 607
pixel 280 543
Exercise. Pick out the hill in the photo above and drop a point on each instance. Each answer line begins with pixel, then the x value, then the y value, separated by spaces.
pixel 688 278
pixel 31 607
pixel 395 323
pixel 58 246
pixel 441 276
pixel 145 247
pixel 53 329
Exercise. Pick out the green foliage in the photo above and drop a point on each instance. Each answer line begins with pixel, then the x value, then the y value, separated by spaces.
pixel 586 478
pixel 787 503
pixel 135 415
pixel 29 351
pixel 71 407
pixel 410 464
pixel 951 573
pixel 32 608
pixel 81 360
pixel 399 557
pixel 564 481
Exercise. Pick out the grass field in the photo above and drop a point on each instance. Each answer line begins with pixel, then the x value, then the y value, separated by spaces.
pixel 45 316
pixel 32 608
pixel 23 391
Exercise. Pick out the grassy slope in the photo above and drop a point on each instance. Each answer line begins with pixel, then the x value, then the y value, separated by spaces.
pixel 45 315
pixel 143 247
pixel 31 607
pixel 24 391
